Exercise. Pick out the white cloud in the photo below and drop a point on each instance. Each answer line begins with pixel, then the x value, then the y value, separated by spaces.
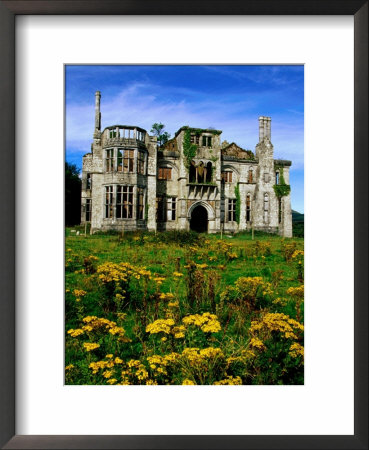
pixel 142 104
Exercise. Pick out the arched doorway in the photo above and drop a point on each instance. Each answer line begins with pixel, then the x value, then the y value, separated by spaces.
pixel 199 219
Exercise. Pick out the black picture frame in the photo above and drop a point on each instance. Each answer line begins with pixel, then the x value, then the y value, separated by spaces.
pixel 8 11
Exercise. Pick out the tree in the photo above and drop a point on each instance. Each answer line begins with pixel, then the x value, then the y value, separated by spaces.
pixel 72 195
pixel 157 130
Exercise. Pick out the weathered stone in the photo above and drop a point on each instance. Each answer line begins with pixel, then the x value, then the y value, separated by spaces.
pixel 129 184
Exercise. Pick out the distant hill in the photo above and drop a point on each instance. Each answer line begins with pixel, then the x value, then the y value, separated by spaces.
pixel 297 217
pixel 297 224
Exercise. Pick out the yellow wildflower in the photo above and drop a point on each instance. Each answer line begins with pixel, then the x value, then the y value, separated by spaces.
pixel 179 332
pixel 188 382
pixel 89 346
pixel 107 373
pixel 160 326
pixel 229 381
pixel 296 350
pixel 257 343
pixel 79 292
pixel 207 322
pixel 296 291
pixel 75 333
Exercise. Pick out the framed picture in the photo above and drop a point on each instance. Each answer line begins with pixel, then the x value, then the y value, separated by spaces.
pixel 204 275
pixel 45 413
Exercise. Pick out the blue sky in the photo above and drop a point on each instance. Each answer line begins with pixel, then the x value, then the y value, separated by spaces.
pixel 229 98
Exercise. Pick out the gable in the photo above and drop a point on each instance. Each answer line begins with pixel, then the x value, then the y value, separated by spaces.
pixel 237 152
pixel 171 145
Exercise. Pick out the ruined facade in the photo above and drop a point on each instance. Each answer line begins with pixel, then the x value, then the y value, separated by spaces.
pixel 193 182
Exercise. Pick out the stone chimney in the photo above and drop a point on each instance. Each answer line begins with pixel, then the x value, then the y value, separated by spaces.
pixel 264 128
pixel 97 115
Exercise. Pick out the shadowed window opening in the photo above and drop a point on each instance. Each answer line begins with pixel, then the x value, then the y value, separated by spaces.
pixel 248 208
pixel 209 172
pixel 88 210
pixel 277 177
pixel 161 208
pixel 88 181
pixel 192 172
pixel 199 219
pixel 227 176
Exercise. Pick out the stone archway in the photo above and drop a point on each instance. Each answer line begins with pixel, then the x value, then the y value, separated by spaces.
pixel 199 219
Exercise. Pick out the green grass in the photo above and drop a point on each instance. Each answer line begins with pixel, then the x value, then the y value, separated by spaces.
pixel 226 259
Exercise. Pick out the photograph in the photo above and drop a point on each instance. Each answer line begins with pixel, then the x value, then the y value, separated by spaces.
pixel 184 224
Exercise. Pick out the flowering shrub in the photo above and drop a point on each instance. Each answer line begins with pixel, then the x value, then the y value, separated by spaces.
pixel 298 258
pixel 276 340
pixel 297 293
pixel 248 291
pixel 288 249
pixel 263 248
pixel 126 283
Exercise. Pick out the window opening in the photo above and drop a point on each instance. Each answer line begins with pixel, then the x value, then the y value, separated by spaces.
pixel 231 210
pixel 160 209
pixel 171 208
pixel 140 203
pixel 165 173
pixel 124 206
pixel 110 160
pixel 108 202
pixel 227 176
pixel 209 170
pixel 251 176
pixel 266 208
pixel 206 141
pixel 248 208
pixel 88 182
pixel 88 210
pixel 141 163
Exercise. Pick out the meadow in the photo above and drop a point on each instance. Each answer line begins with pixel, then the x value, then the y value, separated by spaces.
pixel 181 308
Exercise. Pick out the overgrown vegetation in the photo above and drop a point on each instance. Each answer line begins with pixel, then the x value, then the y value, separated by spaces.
pixel 282 189
pixel 189 149
pixel 183 308
pixel 238 203
pixel 162 136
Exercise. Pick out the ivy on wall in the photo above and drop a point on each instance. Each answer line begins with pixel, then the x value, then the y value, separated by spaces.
pixel 282 189
pixel 189 149
pixel 238 203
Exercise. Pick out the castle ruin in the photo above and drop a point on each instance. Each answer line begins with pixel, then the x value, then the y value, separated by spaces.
pixel 194 182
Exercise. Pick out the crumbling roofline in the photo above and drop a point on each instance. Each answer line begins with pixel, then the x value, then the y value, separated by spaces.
pixel 197 130
pixel 127 127
pixel 282 162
